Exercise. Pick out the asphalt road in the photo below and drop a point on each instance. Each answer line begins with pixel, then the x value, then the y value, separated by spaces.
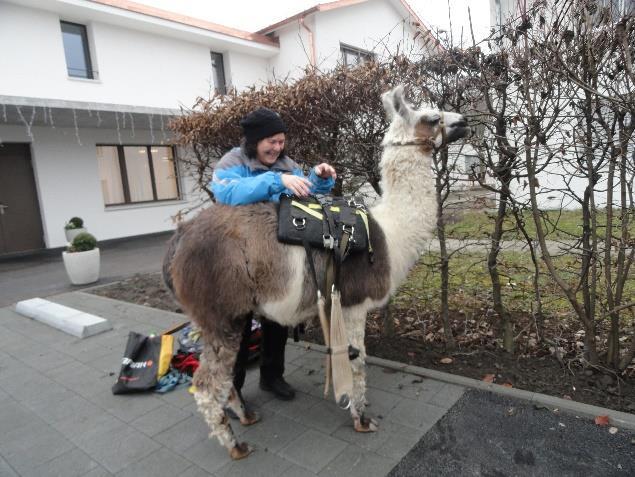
pixel 493 436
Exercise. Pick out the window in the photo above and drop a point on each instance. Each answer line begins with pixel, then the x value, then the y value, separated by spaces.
pixel 132 174
pixel 75 41
pixel 218 70
pixel 354 56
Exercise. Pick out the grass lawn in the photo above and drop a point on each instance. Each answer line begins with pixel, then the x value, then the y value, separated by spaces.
pixel 470 285
pixel 559 224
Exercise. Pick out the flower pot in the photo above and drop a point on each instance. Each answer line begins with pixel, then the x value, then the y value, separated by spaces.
pixel 82 267
pixel 72 233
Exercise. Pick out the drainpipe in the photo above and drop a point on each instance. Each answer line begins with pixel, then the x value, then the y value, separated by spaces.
pixel 311 42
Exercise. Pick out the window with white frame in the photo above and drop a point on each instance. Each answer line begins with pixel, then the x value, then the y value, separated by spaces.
pixel 134 174
pixel 218 71
pixel 352 56
pixel 76 50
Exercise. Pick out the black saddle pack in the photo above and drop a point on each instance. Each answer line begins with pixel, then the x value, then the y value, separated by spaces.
pixel 322 221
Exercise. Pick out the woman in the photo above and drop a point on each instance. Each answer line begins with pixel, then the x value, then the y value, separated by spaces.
pixel 259 171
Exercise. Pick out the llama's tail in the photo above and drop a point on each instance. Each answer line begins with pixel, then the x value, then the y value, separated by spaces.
pixel 173 245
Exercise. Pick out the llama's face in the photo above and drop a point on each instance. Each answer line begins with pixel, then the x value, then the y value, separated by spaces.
pixel 429 127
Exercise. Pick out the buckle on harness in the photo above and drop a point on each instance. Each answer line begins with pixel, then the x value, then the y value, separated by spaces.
pixel 349 229
pixel 301 225
pixel 329 241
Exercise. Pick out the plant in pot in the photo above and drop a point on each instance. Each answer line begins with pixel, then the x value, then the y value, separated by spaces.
pixel 81 259
pixel 74 227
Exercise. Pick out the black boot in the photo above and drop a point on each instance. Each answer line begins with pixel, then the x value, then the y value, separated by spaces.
pixel 278 386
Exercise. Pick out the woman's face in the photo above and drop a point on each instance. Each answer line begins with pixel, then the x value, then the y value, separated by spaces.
pixel 269 148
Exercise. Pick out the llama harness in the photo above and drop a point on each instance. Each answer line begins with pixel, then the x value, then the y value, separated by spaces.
pixel 340 225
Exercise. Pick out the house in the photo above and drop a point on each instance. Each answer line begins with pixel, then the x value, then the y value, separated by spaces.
pixel 88 87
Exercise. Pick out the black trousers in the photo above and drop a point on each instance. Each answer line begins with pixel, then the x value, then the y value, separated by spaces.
pixel 274 340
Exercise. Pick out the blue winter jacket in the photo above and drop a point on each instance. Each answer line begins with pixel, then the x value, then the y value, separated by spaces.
pixel 240 180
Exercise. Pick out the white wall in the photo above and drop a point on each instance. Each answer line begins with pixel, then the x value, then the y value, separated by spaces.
pixel 243 71
pixel 295 50
pixel 67 180
pixel 374 26
pixel 134 67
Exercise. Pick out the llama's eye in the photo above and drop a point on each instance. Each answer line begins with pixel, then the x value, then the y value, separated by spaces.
pixel 433 120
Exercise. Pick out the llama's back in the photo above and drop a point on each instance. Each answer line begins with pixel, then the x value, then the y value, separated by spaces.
pixel 226 260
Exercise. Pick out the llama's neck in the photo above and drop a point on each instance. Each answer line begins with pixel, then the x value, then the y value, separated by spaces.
pixel 407 209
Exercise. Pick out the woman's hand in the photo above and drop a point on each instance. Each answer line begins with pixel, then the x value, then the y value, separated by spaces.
pixel 300 186
pixel 325 171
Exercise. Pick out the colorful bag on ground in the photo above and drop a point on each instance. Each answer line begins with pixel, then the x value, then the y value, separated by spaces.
pixel 145 360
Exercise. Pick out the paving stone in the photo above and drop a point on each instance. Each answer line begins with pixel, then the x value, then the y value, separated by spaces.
pixel 311 360
pixel 447 396
pixel 379 402
pixel 297 471
pixel 86 424
pixel 73 463
pixel 195 471
pixel 107 363
pixel 403 384
pixel 308 381
pixel 325 416
pixel 272 433
pixel 162 462
pixel 292 352
pixel 14 440
pixel 117 448
pixel 77 376
pixel 417 414
pixel 313 450
pixel 56 406
pixel 127 407
pixel 254 396
pixel 207 454
pixel 98 472
pixel 371 441
pixel 295 408
pixel 6 470
pixel 399 443
pixel 179 397
pixel 258 464
pixel 15 416
pixel 40 448
pixel 160 419
pixel 355 462
pixel 184 435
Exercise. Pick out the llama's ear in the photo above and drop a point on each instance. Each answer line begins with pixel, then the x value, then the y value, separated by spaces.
pixel 399 101
pixel 395 103
pixel 387 101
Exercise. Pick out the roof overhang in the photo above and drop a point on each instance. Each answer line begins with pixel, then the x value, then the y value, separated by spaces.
pixel 139 17
pixel 30 112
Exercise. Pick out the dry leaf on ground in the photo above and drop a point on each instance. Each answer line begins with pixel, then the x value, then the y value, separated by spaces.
pixel 446 361
pixel 602 420
pixel 489 378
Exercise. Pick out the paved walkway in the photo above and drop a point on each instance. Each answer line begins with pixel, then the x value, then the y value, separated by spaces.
pixel 44 275
pixel 59 417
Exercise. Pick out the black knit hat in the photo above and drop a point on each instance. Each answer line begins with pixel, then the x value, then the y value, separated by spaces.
pixel 262 123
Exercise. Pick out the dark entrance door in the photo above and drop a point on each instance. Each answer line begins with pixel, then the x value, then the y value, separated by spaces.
pixel 20 221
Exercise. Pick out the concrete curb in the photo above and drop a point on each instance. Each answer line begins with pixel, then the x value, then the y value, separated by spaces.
pixel 616 418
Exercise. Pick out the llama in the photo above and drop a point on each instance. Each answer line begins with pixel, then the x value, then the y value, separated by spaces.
pixel 226 263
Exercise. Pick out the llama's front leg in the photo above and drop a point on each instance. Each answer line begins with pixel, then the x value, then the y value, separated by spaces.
pixel 356 326
pixel 213 381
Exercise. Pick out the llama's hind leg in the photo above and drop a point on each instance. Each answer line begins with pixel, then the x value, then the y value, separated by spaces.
pixel 356 327
pixel 213 381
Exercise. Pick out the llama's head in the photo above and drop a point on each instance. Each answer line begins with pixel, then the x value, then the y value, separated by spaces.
pixel 429 128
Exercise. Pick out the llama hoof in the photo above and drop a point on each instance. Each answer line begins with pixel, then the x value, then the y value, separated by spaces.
pixel 250 418
pixel 240 451
pixel 366 424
